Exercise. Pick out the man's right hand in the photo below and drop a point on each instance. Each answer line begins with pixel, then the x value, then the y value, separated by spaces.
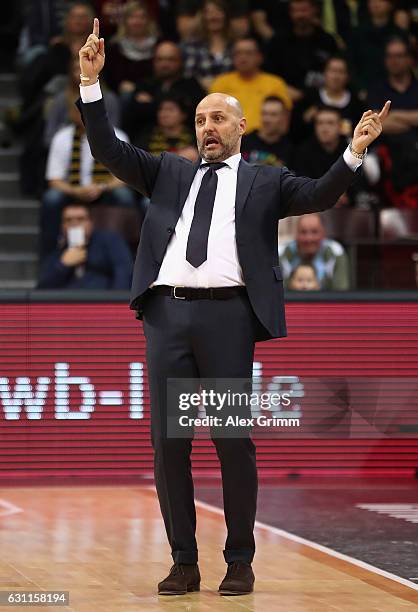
pixel 92 55
pixel 74 256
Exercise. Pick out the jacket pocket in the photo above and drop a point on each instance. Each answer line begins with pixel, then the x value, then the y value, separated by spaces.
pixel 278 273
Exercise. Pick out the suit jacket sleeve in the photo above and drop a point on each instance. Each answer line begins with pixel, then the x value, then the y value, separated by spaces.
pixel 128 163
pixel 300 195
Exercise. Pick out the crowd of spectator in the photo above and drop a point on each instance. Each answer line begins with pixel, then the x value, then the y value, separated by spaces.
pixel 304 71
pixel 312 249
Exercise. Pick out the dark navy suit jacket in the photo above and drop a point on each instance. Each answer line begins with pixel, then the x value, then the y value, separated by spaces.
pixel 264 195
pixel 108 266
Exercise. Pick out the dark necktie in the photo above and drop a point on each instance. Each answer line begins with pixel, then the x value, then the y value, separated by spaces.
pixel 197 243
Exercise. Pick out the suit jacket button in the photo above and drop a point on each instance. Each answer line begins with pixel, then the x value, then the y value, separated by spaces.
pixel 170 230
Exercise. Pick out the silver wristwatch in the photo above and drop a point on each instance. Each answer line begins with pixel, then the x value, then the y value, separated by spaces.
pixel 357 155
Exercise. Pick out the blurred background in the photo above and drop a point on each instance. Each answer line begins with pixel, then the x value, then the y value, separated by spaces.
pixel 74 399
pixel 304 70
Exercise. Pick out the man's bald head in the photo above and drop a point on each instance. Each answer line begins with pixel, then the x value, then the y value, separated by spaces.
pixel 223 99
pixel 310 220
pixel 220 124
pixel 310 233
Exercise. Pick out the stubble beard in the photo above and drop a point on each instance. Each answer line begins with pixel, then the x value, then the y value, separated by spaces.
pixel 222 154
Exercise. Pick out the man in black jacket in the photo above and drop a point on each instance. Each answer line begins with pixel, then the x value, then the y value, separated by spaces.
pixel 208 285
pixel 317 154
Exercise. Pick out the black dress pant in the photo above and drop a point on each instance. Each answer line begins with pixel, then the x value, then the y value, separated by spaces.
pixel 206 339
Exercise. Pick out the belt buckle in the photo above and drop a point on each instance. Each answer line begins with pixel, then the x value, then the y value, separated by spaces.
pixel 178 297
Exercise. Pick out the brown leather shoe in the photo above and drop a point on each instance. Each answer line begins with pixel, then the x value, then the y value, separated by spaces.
pixel 181 579
pixel 239 579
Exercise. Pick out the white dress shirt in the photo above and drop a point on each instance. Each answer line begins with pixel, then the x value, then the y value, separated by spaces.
pixel 60 152
pixel 221 267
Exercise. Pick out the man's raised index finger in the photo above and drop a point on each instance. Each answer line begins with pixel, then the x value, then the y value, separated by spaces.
pixel 385 110
pixel 96 27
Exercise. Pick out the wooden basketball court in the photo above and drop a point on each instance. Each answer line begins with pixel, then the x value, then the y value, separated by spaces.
pixel 107 547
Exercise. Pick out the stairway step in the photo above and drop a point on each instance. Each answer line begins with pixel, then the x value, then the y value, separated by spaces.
pixel 20 266
pixel 18 284
pixel 19 256
pixel 9 159
pixel 22 202
pixel 19 212
pixel 19 238
pixel 9 184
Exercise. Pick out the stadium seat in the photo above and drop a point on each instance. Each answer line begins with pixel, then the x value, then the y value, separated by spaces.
pixel 348 225
pixel 126 222
pixel 395 223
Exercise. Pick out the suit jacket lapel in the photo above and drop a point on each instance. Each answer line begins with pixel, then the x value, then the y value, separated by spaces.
pixel 245 179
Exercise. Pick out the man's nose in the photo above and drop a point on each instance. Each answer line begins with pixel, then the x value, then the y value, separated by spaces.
pixel 209 125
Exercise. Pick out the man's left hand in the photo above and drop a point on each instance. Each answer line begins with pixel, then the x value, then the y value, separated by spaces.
pixel 369 128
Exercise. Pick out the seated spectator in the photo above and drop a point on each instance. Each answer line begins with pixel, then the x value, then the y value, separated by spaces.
pixel 270 144
pixel 314 157
pixel 303 278
pixel 55 61
pixel 312 247
pixel 171 132
pixel 398 148
pixel 299 53
pixel 129 55
pixel 141 107
pixel 56 110
pixel 38 27
pixel 269 17
pixel 77 23
pixel 110 14
pixel 210 54
pixel 406 18
pixel 40 79
pixel 366 46
pixel 334 93
pixel 272 16
pixel 249 84
pixel 188 18
pixel 86 258
pixel 336 18
pixel 73 174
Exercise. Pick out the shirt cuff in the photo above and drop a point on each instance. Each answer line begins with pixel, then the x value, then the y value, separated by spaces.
pixel 351 160
pixel 90 93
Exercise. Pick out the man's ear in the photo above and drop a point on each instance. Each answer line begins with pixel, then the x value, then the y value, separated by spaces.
pixel 243 125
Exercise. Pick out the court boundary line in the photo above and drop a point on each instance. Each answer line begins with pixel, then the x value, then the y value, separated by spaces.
pixel 329 551
pixel 13 509
pixel 10 508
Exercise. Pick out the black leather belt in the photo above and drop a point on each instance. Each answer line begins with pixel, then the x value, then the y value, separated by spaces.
pixel 199 293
